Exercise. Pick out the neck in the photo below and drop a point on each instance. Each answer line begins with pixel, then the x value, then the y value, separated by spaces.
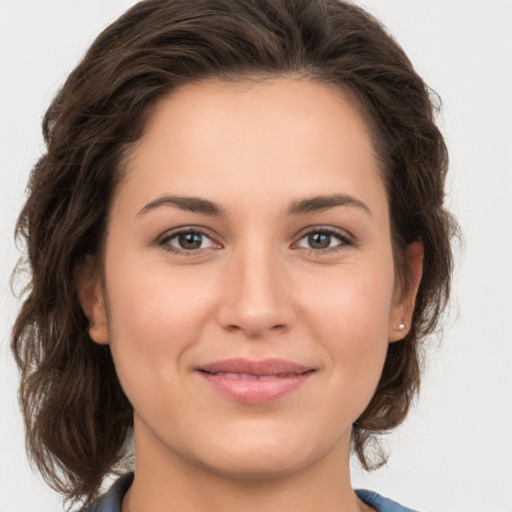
pixel 168 482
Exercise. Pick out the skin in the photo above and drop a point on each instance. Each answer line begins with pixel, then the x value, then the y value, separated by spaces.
pixel 255 289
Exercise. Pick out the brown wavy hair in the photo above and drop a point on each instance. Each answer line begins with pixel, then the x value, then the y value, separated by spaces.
pixel 78 420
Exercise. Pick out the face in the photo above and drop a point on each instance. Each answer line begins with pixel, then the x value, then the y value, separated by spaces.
pixel 249 294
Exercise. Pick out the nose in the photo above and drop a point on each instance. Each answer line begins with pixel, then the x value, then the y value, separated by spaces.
pixel 257 296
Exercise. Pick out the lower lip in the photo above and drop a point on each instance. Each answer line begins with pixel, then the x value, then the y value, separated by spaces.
pixel 257 391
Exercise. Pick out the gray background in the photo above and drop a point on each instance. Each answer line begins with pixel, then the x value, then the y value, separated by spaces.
pixel 454 453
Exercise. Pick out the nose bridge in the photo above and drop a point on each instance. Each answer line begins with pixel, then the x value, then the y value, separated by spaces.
pixel 257 296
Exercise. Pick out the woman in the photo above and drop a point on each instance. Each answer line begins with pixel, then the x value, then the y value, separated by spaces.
pixel 237 239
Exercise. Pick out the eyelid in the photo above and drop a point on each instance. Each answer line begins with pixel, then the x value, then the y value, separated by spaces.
pixel 163 240
pixel 346 239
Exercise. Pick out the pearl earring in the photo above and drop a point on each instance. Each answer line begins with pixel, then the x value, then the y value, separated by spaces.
pixel 400 326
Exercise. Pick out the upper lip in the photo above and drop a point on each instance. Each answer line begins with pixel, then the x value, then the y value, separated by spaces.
pixel 264 367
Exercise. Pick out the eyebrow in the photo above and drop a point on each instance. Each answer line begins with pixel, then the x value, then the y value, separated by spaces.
pixel 206 207
pixel 190 204
pixel 320 203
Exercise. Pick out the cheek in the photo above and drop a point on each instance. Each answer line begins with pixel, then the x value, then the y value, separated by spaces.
pixel 155 314
pixel 155 307
pixel 349 316
pixel 154 319
pixel 353 302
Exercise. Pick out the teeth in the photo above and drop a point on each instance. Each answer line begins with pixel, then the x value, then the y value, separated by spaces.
pixel 242 376
pixel 247 376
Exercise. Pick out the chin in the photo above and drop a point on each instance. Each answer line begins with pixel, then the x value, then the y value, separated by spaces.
pixel 263 465
pixel 260 456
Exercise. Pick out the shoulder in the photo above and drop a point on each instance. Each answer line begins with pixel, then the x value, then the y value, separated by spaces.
pixel 111 502
pixel 380 503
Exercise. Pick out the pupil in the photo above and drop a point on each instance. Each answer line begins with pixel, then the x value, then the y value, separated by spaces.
pixel 190 240
pixel 319 240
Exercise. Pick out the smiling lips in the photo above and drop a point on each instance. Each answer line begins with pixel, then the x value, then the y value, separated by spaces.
pixel 255 382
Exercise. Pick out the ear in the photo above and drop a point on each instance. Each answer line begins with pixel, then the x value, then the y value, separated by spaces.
pixel 400 318
pixel 89 288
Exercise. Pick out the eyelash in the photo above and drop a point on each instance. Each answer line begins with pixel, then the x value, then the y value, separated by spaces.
pixel 164 241
pixel 344 238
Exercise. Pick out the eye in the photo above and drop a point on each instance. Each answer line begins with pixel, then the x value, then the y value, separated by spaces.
pixel 187 241
pixel 324 240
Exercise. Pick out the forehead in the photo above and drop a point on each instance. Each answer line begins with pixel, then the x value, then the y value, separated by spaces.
pixel 293 135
